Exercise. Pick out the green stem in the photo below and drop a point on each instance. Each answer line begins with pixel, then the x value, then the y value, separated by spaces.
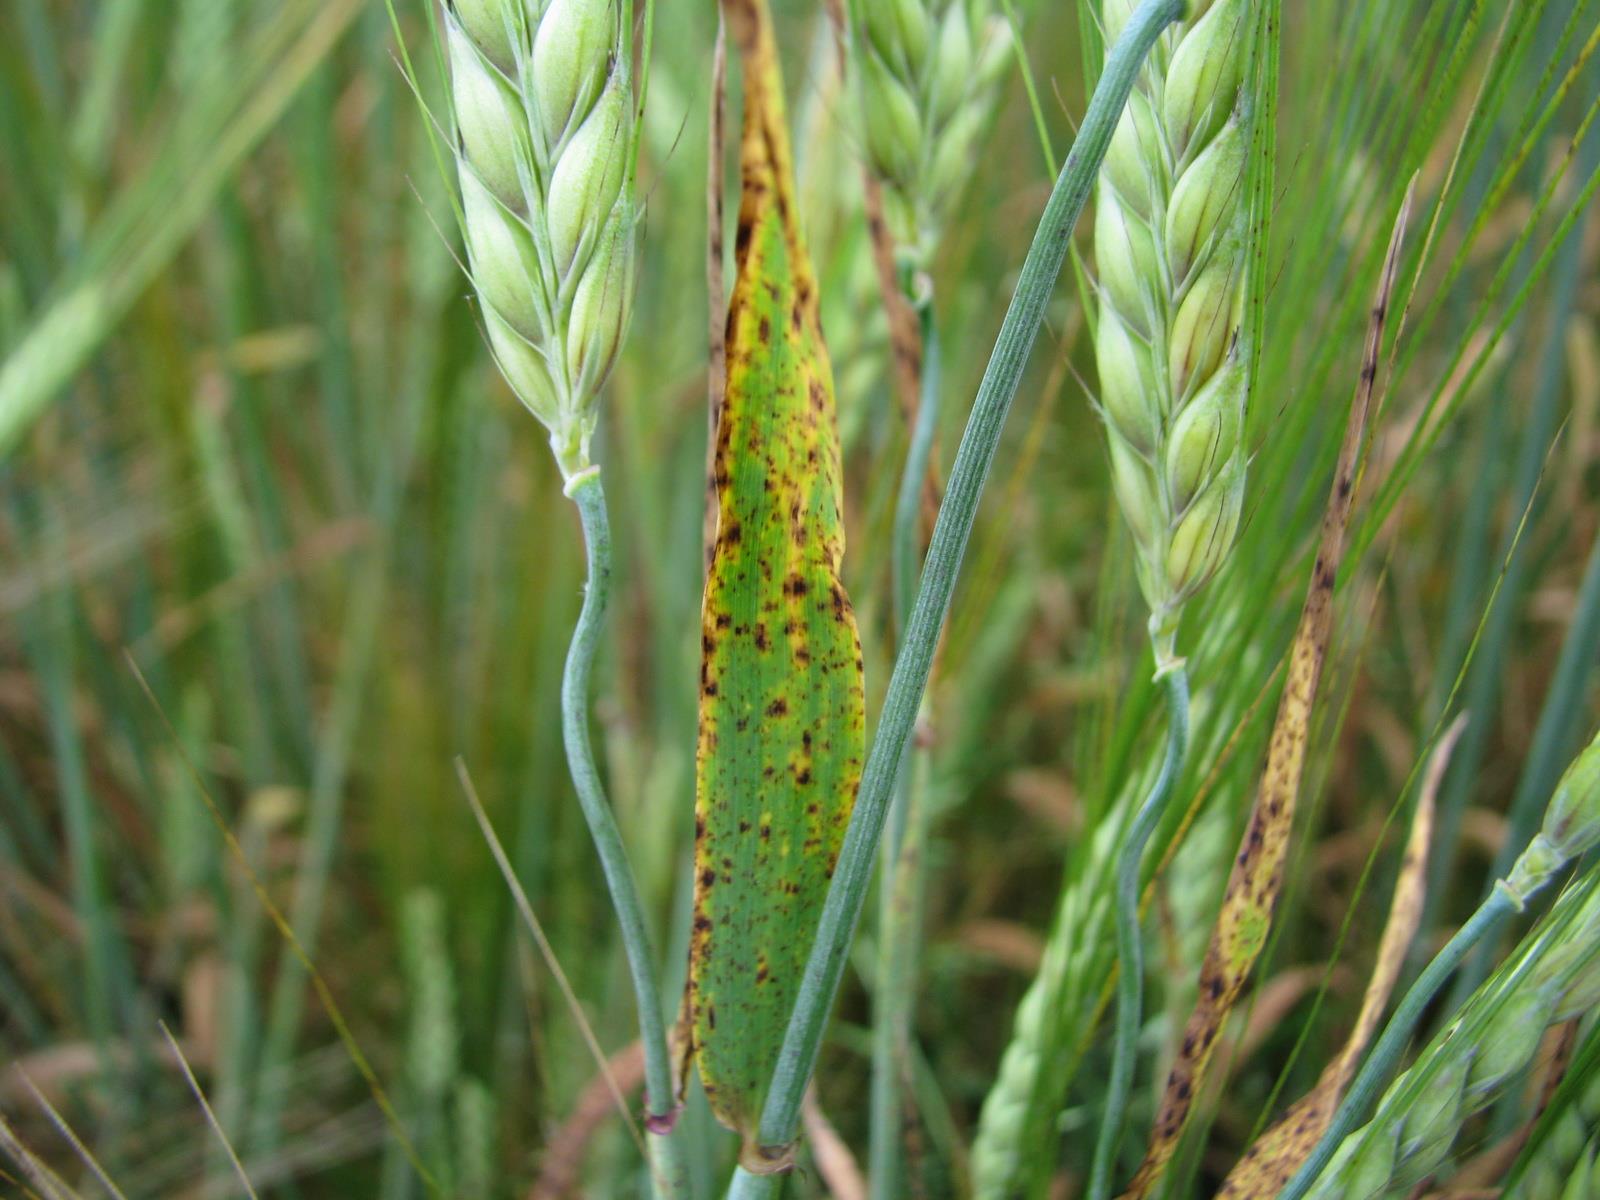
pixel 904 564
pixel 899 883
pixel 1386 1054
pixel 668 1168
pixel 1035 283
pixel 1130 953
pixel 899 933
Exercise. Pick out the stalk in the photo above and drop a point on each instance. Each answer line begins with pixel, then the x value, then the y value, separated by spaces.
pixel 914 662
pixel 900 886
pixel 908 507
pixel 1130 952
pixel 668 1167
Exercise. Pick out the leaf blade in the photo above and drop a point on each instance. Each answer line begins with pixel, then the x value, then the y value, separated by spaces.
pixel 782 704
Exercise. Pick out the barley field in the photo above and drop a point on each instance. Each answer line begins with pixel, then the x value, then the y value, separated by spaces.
pixel 828 598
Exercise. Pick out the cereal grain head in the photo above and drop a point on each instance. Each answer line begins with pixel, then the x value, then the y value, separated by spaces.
pixel 927 71
pixel 1170 250
pixel 544 120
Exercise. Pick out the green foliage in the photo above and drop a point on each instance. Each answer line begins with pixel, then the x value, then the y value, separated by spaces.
pixel 251 432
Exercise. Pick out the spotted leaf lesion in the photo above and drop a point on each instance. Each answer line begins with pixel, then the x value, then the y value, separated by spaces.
pixel 782 706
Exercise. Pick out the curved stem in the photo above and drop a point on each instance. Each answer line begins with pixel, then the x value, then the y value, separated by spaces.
pixel 847 893
pixel 1130 953
pixel 899 882
pixel 1386 1054
pixel 666 1158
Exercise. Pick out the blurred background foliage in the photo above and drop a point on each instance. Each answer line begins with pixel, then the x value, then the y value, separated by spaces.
pixel 252 449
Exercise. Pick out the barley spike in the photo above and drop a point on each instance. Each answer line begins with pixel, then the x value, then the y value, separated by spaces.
pixel 1571 828
pixel 1169 245
pixel 927 71
pixel 1554 975
pixel 1568 957
pixel 544 118
pixel 1567 1153
pixel 1026 1094
pixel 434 1038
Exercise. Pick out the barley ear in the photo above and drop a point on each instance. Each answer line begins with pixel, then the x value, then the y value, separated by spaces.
pixel 1170 246
pixel 1495 1036
pixel 1557 973
pixel 927 72
pixel 544 118
pixel 433 1057
pixel 1570 830
pixel 1564 1149
pixel 1026 1094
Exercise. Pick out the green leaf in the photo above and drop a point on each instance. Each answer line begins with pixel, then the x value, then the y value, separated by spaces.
pixel 782 707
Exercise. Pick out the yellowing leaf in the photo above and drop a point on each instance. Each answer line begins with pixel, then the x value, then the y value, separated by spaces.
pixel 782 709
pixel 1277 1154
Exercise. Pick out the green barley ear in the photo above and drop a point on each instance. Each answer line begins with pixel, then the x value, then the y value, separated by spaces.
pixel 434 1037
pixel 1495 1036
pixel 927 71
pixel 1571 828
pixel 1563 1147
pixel 1170 246
pixel 544 116
pixel 1556 974
pixel 474 1139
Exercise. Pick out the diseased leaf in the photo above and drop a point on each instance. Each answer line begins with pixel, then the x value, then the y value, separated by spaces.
pixel 716 285
pixel 1277 1154
pixel 782 707
pixel 1256 879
